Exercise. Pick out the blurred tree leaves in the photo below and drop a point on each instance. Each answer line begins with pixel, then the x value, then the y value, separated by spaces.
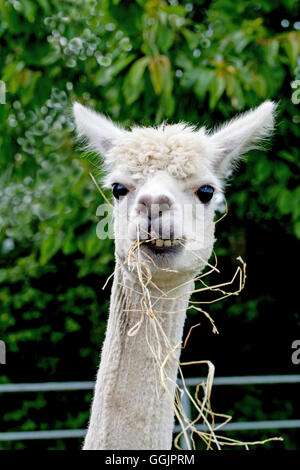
pixel 134 82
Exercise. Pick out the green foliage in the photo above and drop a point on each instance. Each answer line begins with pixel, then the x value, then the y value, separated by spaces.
pixel 141 62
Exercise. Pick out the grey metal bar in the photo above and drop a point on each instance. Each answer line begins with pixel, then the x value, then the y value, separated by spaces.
pixel 247 380
pixel 241 426
pixel 243 380
pixel 80 433
pixel 30 435
pixel 46 387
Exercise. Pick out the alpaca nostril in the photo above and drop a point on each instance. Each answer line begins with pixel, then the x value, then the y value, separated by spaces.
pixel 153 206
pixel 161 208
pixel 149 227
pixel 163 201
pixel 144 205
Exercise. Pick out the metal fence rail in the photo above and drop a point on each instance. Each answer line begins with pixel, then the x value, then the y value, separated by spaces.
pixel 80 433
pixel 89 385
pixel 46 387
pixel 30 435
pixel 192 381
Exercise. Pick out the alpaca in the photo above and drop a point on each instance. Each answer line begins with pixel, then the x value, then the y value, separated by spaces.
pixel 155 174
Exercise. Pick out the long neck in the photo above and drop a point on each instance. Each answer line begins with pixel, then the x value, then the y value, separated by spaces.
pixel 131 409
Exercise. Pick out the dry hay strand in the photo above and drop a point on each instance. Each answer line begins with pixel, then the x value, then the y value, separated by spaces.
pixel 158 342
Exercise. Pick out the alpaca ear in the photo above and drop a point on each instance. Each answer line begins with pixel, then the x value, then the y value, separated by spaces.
pixel 99 131
pixel 241 134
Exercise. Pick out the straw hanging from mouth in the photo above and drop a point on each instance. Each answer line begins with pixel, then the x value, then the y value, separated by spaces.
pixel 158 341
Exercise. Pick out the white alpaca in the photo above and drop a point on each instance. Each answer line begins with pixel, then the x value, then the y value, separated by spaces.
pixel 158 176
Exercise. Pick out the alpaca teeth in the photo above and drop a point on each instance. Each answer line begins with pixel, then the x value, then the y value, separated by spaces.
pixel 159 242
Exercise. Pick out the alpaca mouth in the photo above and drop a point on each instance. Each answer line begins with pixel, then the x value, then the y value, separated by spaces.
pixel 161 242
pixel 163 246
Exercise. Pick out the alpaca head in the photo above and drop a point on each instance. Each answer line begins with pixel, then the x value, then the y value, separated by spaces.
pixel 165 181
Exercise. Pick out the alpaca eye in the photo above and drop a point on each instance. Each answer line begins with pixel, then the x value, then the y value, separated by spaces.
pixel 119 190
pixel 205 193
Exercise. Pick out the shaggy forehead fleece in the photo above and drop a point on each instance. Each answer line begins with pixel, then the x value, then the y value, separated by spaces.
pixel 179 149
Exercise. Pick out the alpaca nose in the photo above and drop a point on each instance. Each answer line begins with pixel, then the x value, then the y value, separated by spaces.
pixel 153 206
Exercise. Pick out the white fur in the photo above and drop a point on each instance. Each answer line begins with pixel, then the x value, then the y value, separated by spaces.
pixel 99 131
pixel 241 134
pixel 179 148
pixel 169 161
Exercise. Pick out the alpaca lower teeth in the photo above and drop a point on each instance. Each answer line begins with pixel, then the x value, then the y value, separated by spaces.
pixel 159 242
